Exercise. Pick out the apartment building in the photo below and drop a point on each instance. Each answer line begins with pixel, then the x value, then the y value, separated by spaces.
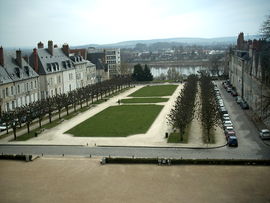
pixel 55 68
pixel 110 58
pixel 19 83
pixel 247 75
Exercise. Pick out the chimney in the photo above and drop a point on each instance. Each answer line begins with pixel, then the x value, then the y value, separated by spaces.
pixel 1 56
pixel 50 47
pixel 19 57
pixel 65 49
pixel 40 45
pixel 55 46
pixel 35 54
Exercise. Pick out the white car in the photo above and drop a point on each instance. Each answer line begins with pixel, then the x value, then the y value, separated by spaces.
pixel 265 134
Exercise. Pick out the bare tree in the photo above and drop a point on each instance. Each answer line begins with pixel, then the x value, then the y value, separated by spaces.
pixel 209 114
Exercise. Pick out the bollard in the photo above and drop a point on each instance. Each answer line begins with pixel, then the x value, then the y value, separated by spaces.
pixel 90 155
pixel 63 155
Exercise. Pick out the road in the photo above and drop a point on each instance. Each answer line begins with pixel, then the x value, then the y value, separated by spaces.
pixel 250 145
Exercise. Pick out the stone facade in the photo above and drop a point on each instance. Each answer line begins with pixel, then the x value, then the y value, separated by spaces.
pixel 245 73
pixel 19 83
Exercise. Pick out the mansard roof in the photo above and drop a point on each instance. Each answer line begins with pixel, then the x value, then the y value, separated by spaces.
pixel 53 63
pixel 12 71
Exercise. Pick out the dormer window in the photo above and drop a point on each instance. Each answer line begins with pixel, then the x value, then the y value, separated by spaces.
pixel 49 67
pixel 17 72
pixel 69 65
pixel 26 68
pixel 64 64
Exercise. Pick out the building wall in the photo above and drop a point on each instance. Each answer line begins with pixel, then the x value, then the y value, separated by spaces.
pixel 51 84
pixel 19 93
pixel 246 79
pixel 69 80
pixel 112 57
pixel 90 76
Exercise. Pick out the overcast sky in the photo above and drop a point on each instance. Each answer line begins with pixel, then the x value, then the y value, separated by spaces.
pixel 77 22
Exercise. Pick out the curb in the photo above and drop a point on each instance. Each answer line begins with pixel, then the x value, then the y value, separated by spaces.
pixel 165 147
pixel 53 145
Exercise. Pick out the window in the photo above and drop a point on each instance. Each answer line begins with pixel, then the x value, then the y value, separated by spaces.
pixel 35 84
pixel 13 104
pixel 31 85
pixel 8 106
pixel 7 91
pixel 12 92
pixel 70 76
pixel 51 93
pixel 59 79
pixel 18 89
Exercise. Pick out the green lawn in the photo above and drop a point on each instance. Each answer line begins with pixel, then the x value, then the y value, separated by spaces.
pixel 144 100
pixel 118 121
pixel 175 138
pixel 155 91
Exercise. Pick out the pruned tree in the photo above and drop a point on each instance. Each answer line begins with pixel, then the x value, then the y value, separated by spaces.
pixel 209 114
pixel 182 112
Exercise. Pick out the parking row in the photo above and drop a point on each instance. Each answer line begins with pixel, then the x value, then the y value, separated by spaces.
pixel 226 121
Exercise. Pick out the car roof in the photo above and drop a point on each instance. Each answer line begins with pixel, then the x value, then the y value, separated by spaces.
pixel 265 131
pixel 232 137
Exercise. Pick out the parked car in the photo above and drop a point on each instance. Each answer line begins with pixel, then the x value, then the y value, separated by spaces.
pixel 232 141
pixel 265 134
pixel 229 128
pixel 226 118
pixel 225 125
pixel 244 105
pixel 234 93
pixel 228 134
pixel 3 126
pixel 223 110
pixel 238 99
pixel 227 122
pixel 226 115
pixel 229 89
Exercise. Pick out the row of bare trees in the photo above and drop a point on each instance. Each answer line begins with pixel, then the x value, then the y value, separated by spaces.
pixel 46 107
pixel 182 112
pixel 209 114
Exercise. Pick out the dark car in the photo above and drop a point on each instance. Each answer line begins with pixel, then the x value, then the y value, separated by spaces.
pixel 232 141
pixel 234 93
pixel 244 105
pixel 228 134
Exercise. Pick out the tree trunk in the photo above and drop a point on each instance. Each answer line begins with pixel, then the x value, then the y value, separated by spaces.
pixel 7 127
pixel 208 135
pixel 39 121
pixel 14 131
pixel 67 110
pixel 50 117
pixel 28 128
pixel 59 113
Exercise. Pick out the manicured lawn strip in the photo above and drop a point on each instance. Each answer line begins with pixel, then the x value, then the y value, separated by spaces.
pixel 212 137
pixel 175 137
pixel 118 121
pixel 155 91
pixel 144 100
